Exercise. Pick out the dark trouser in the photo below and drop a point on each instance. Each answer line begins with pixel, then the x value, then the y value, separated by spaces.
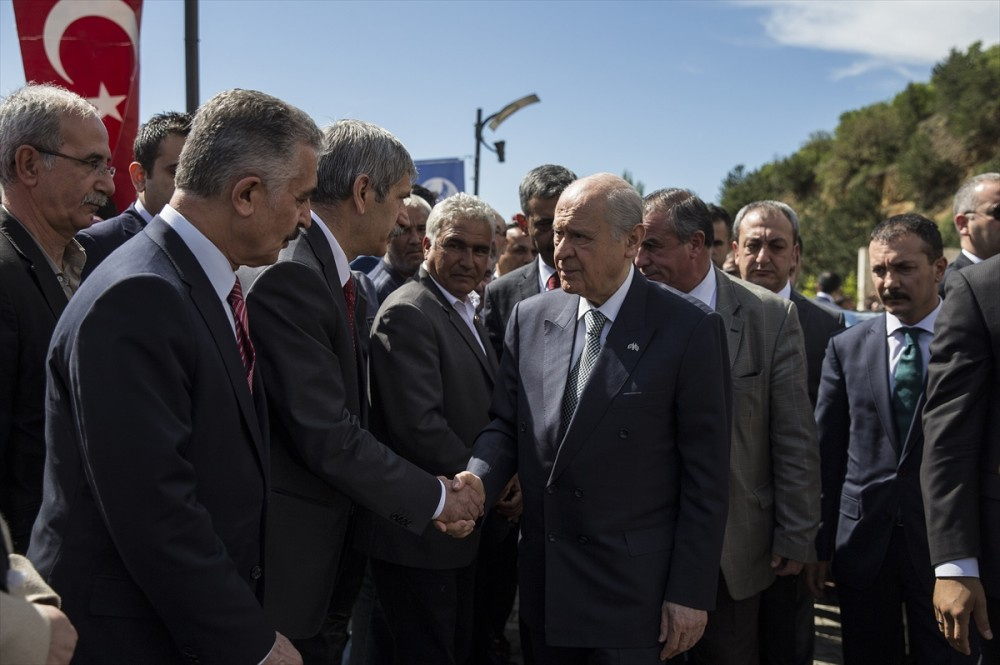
pixel 371 640
pixel 428 611
pixel 731 634
pixel 787 623
pixel 496 586
pixel 991 648
pixel 543 653
pixel 871 619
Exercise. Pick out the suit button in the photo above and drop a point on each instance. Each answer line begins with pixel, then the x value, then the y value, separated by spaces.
pixel 578 493
pixel 552 536
pixel 523 428
pixel 256 572
pixel 583 540
pixel 623 433
pixel 551 489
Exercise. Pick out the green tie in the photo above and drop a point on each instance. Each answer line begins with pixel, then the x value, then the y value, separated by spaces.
pixel 909 380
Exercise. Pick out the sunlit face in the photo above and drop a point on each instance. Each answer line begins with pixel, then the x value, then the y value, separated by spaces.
pixel 519 252
pixel 278 214
pixel 663 257
pixel 372 233
pixel 458 257
pixel 157 186
pixel 70 193
pixel 406 250
pixel 591 262
pixel 540 213
pixel 905 278
pixel 980 227
pixel 720 244
pixel 765 250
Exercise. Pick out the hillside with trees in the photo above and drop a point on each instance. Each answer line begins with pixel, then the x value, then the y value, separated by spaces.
pixel 908 154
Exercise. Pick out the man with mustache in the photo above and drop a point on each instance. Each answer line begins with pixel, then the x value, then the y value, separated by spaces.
pixel 871 444
pixel 55 173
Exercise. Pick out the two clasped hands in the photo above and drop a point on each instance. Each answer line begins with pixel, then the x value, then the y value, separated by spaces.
pixel 463 505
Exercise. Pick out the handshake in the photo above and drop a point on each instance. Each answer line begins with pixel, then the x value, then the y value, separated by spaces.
pixel 463 505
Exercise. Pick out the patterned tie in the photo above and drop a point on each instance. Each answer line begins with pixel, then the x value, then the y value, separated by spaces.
pixel 909 382
pixel 351 298
pixel 581 371
pixel 553 282
pixel 239 308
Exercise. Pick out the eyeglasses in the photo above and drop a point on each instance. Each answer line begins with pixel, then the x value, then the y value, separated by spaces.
pixel 98 166
pixel 993 212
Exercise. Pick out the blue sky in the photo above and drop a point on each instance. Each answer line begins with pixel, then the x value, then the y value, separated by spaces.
pixel 677 92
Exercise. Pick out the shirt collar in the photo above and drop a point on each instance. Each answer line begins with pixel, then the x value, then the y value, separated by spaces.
pixel 786 291
pixel 612 305
pixel 972 257
pixel 339 256
pixel 471 299
pixel 143 212
pixel 544 272
pixel 705 290
pixel 892 324
pixel 216 266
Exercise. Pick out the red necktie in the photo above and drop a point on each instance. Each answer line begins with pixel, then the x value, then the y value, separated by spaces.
pixel 350 297
pixel 553 282
pixel 239 308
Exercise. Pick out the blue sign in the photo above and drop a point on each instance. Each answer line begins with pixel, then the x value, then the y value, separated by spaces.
pixel 444 176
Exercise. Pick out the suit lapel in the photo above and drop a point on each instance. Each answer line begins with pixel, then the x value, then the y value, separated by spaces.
pixel 486 360
pixel 38 264
pixel 207 302
pixel 728 307
pixel 560 333
pixel 529 285
pixel 876 356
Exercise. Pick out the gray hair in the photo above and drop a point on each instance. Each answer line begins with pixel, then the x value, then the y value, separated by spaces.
pixel 770 206
pixel 685 211
pixel 411 201
pixel 456 207
pixel 32 115
pixel 355 147
pixel 624 208
pixel 544 182
pixel 238 133
pixel 965 197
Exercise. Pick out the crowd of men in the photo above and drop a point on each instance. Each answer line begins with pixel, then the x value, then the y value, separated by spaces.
pixel 288 399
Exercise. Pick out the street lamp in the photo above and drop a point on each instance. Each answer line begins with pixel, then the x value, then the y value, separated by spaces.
pixel 495 120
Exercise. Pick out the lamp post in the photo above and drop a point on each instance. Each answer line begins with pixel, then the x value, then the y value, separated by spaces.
pixel 494 121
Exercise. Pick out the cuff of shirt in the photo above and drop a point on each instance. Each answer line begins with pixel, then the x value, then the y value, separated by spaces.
pixel 440 508
pixel 270 650
pixel 958 568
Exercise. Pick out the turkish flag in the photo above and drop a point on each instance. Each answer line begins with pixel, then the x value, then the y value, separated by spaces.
pixel 92 48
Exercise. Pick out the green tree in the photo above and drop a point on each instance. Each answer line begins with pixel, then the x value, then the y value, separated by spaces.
pixel 639 185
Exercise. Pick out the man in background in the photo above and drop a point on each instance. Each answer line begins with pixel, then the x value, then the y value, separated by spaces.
pixel 977 220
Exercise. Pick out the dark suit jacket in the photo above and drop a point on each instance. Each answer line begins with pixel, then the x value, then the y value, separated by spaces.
pixel 500 297
pixel 628 508
pixel 961 470
pixel 819 324
pixel 31 301
pixel 961 261
pixel 156 469
pixel 322 459
pixel 430 393
pixel 870 474
pixel 105 237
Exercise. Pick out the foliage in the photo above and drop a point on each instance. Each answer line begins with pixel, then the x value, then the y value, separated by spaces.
pixel 639 185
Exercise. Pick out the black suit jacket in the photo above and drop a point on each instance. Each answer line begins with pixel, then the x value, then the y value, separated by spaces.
pixel 961 261
pixel 105 237
pixel 870 472
pixel 156 470
pixel 961 470
pixel 627 509
pixel 500 297
pixel 819 324
pixel 31 301
pixel 430 393
pixel 322 457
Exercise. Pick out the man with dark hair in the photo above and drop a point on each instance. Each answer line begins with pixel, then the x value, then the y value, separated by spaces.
pixel 721 234
pixel 426 194
pixel 519 250
pixel 828 289
pixel 871 442
pixel 977 219
pixel 773 440
pixel 539 191
pixel 152 526
pixel 55 175
pixel 157 151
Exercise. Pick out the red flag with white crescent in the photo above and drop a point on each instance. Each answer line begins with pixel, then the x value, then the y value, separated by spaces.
pixel 92 48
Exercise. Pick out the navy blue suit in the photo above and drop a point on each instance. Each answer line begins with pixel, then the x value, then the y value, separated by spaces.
pixel 105 237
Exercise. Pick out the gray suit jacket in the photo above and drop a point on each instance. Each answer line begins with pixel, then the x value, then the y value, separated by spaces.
pixel 500 297
pixel 628 507
pixel 322 458
pixel 774 485
pixel 430 394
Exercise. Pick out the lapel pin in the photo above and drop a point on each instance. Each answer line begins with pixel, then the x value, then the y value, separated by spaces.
pixel 633 347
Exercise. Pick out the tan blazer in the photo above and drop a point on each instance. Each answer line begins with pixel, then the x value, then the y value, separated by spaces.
pixel 24 631
pixel 774 459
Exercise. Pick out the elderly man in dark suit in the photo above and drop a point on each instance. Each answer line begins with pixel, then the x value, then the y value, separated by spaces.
pixel 312 338
pixel 152 526
pixel 539 191
pixel 977 219
pixel 960 476
pixel 157 150
pixel 432 371
pixel 612 402
pixel 871 441
pixel 54 171
pixel 774 486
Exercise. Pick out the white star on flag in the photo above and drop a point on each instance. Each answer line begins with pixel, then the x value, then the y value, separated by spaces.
pixel 106 104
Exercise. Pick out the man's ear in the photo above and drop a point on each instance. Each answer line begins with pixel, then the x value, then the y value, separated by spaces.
pixel 247 195
pixel 28 164
pixel 138 176
pixel 697 241
pixel 362 193
pixel 962 224
pixel 633 239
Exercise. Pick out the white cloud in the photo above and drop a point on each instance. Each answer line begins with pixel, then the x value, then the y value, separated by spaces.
pixel 888 33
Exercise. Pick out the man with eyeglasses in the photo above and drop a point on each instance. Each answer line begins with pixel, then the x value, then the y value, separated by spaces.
pixel 55 173
pixel 977 220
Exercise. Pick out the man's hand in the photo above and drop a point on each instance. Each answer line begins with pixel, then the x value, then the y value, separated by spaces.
pixel 817 574
pixel 62 635
pixel 463 505
pixel 511 502
pixel 783 566
pixel 680 628
pixel 283 653
pixel 955 598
